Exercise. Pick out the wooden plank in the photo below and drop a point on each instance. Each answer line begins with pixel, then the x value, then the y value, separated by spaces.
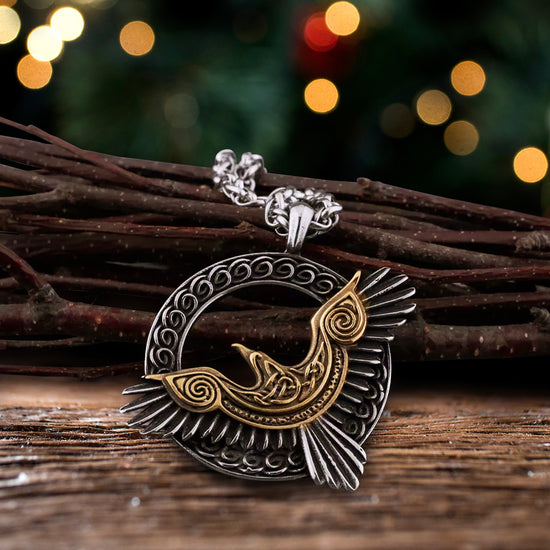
pixel 448 468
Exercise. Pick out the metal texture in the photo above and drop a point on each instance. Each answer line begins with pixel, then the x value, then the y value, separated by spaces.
pixel 281 202
pixel 281 396
pixel 300 216
pixel 237 180
pixel 327 446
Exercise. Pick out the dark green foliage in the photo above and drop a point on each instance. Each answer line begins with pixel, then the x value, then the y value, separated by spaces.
pixel 240 68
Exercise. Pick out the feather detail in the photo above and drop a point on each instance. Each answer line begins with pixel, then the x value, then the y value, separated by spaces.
pixel 373 279
pixel 382 300
pixel 332 457
pixel 388 323
pixel 150 412
pixel 162 420
pixel 385 287
pixel 391 311
pixel 387 299
pixel 144 401
pixel 220 430
pixel 144 387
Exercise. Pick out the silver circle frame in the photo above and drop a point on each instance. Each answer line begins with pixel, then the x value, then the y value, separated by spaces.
pixel 175 319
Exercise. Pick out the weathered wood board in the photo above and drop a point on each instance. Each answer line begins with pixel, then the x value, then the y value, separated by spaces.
pixel 448 468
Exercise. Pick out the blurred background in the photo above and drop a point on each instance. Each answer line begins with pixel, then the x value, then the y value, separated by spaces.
pixel 447 98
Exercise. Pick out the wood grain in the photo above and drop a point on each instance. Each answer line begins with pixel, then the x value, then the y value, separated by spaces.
pixel 449 467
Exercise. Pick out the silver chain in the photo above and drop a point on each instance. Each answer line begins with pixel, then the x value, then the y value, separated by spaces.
pixel 237 181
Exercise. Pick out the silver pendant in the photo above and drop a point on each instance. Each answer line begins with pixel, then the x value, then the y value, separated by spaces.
pixel 326 446
pixel 307 418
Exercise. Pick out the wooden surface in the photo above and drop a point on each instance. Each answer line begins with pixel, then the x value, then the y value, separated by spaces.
pixel 450 466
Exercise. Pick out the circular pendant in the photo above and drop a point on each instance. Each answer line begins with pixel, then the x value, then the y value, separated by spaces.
pixel 308 418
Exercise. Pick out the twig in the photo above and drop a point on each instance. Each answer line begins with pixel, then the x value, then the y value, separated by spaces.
pixel 37 287
pixel 120 234
pixel 90 283
pixel 376 191
pixel 62 343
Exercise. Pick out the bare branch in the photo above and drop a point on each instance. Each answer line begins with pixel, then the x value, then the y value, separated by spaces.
pixel 120 234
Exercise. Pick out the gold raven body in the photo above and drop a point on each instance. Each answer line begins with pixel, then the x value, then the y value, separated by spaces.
pixel 282 396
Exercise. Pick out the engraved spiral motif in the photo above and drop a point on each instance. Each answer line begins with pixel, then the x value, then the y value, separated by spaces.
pixel 277 463
pixel 183 301
pixel 167 337
pixel 201 391
pixel 181 310
pixel 261 267
pixel 162 358
pixel 323 285
pixel 239 272
pixel 175 319
pixel 343 324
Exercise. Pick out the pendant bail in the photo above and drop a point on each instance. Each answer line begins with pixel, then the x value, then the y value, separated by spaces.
pixel 300 216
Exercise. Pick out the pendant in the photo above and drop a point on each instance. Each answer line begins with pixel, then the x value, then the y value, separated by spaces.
pixel 308 418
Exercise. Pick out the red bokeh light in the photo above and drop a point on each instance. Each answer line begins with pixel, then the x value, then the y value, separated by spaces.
pixel 317 35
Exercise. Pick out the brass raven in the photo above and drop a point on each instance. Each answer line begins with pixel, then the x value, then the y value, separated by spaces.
pixel 282 396
pixel 291 406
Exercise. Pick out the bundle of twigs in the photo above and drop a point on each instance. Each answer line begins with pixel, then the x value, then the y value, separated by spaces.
pixel 93 244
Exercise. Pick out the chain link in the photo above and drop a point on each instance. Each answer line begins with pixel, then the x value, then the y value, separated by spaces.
pixel 278 205
pixel 237 181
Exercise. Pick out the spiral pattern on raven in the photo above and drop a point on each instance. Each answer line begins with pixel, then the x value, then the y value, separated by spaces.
pixel 345 323
pixel 201 391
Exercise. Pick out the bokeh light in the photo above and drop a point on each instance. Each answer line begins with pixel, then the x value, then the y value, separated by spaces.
pixel 44 43
pixel 397 120
pixel 32 73
pixel 530 164
pixel 8 3
pixel 68 22
pixel 10 24
pixel 317 35
pixel 137 38
pixel 468 78
pixel 461 137
pixel 321 95
pixel 433 107
pixel 342 18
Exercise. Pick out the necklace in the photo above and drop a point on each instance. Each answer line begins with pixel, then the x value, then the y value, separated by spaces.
pixel 310 418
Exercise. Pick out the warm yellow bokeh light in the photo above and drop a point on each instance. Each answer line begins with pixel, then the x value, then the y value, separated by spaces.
pixel 461 137
pixel 321 95
pixel 8 3
pixel 44 43
pixel 530 165
pixel 137 38
pixel 468 78
pixel 68 22
pixel 433 107
pixel 397 120
pixel 34 74
pixel 342 18
pixel 10 24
